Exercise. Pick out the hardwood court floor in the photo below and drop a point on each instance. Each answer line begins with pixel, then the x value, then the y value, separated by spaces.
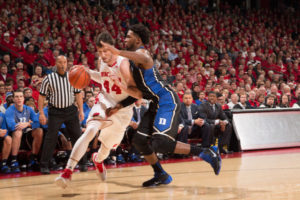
pixel 251 176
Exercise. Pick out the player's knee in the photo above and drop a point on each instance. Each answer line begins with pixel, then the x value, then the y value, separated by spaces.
pixel 140 142
pixel 91 131
pixel 163 144
pixel 8 140
pixel 37 133
pixel 139 139
pixel 17 134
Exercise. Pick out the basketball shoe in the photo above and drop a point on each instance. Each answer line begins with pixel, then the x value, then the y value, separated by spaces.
pixel 212 156
pixel 100 168
pixel 64 178
pixel 158 179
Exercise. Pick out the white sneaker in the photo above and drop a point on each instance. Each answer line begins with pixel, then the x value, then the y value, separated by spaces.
pixel 64 179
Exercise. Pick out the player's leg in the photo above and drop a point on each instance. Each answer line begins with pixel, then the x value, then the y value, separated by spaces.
pixel 16 142
pixel 33 140
pixel 82 143
pixel 110 138
pixel 37 135
pixel 78 151
pixel 80 147
pixel 6 149
pixel 166 127
pixel 141 143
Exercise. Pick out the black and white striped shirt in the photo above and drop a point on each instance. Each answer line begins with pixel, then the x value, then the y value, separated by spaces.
pixel 59 90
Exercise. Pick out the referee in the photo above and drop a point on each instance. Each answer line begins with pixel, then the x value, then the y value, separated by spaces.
pixel 61 110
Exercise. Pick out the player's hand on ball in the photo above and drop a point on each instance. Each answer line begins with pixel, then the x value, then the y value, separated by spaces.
pixel 111 48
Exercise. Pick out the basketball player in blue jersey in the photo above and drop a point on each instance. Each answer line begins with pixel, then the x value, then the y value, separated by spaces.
pixel 5 143
pixel 160 123
pixel 20 119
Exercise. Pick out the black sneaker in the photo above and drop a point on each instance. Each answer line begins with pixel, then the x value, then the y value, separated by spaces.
pixel 33 165
pixel 15 167
pixel 5 169
pixel 212 156
pixel 158 179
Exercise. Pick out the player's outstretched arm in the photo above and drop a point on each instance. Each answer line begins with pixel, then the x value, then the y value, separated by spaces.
pixel 140 56
pixel 95 76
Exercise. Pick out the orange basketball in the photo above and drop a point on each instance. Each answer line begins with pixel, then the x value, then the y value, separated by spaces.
pixel 79 77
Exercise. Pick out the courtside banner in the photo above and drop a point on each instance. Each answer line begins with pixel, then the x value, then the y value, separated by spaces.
pixel 267 128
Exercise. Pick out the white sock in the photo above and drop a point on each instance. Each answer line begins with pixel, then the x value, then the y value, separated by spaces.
pixel 103 153
pixel 82 143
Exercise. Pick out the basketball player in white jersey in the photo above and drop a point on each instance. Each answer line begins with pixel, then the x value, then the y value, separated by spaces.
pixel 112 69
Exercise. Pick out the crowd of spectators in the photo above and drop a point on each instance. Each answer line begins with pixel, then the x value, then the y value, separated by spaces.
pixel 249 58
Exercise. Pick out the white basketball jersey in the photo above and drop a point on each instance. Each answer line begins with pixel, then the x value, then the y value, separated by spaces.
pixel 112 92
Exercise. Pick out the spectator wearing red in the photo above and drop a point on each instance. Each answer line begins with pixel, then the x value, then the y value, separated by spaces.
pixel 4 72
pixel 90 54
pixel 252 103
pixel 6 43
pixel 17 49
pixel 179 90
pixel 48 54
pixel 2 93
pixel 29 56
pixel 20 73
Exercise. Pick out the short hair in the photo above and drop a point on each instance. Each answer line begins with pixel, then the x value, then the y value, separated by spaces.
pixel 3 65
pixel 187 93
pixel 18 90
pixel 104 37
pixel 26 89
pixel 30 103
pixel 211 92
pixel 141 31
pixel 271 96
pixel 88 92
pixel 219 95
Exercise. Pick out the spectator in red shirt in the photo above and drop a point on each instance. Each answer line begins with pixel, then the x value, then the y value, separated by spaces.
pixel 252 103
pixel 29 56
pixel 48 54
pixel 6 44
pixel 20 73
pixel 4 72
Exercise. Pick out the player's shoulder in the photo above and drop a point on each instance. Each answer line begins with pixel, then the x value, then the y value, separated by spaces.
pixel 28 108
pixel 11 108
pixel 143 50
pixel 122 59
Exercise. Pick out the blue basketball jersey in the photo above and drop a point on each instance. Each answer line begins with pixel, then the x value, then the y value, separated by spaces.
pixel 154 88
pixel 13 117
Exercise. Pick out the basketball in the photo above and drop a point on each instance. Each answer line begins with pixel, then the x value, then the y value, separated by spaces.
pixel 79 77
